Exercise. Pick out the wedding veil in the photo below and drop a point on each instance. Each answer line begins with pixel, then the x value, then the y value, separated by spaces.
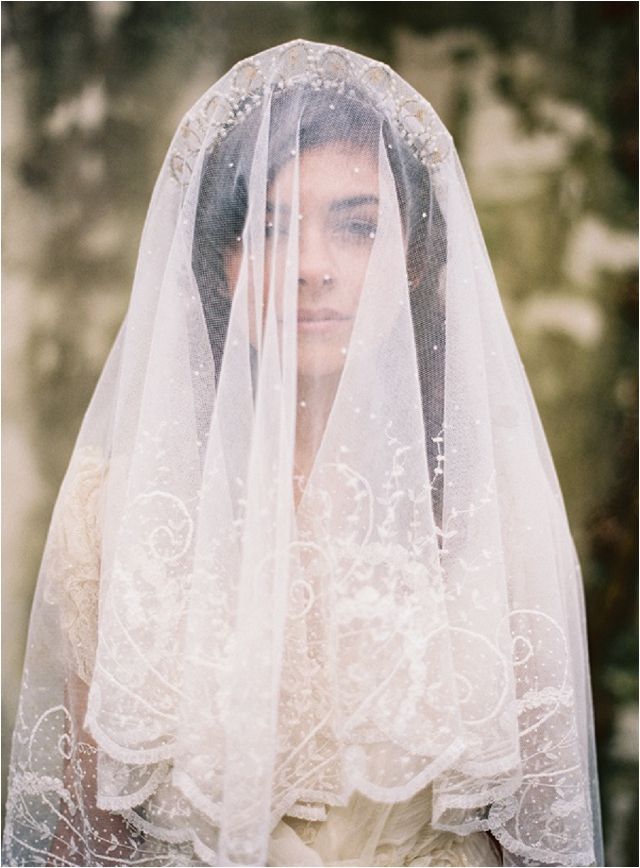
pixel 310 541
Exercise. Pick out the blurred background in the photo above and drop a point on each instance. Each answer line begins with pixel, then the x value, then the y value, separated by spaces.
pixel 541 98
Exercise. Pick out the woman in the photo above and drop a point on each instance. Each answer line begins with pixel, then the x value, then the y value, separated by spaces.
pixel 309 596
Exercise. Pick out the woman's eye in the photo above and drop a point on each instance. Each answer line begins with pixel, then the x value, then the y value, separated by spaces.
pixel 362 230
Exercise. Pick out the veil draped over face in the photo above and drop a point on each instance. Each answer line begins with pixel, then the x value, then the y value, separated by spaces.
pixel 310 542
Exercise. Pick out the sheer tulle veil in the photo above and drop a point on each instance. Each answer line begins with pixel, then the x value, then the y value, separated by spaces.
pixel 311 541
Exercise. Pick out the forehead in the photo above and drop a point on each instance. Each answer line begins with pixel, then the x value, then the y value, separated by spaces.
pixel 331 171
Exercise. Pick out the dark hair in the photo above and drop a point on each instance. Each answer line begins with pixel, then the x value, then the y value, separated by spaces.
pixel 223 202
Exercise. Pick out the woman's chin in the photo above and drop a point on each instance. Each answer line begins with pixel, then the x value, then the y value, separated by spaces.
pixel 319 365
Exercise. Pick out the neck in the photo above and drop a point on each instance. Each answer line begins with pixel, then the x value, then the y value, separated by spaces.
pixel 315 398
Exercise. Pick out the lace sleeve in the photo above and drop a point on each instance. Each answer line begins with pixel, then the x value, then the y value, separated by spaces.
pixel 75 562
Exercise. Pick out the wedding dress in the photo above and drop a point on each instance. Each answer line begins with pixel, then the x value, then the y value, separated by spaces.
pixel 309 595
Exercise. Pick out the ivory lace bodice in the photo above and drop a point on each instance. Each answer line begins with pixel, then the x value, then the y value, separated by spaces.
pixel 361 833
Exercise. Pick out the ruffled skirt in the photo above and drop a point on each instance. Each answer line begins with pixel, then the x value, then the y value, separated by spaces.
pixel 373 834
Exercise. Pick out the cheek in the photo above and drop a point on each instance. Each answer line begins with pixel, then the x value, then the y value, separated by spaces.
pixel 232 260
pixel 232 267
pixel 351 270
pixel 274 268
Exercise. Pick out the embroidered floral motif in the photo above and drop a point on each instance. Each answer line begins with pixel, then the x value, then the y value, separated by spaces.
pixel 75 560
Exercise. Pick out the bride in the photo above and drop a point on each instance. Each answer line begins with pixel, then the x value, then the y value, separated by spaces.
pixel 309 595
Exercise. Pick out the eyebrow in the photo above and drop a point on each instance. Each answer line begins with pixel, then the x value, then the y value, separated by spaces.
pixel 353 202
pixel 338 205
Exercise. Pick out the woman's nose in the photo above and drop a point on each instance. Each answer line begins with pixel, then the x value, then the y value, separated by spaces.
pixel 314 255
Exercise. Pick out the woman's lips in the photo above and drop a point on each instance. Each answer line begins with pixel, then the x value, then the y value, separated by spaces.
pixel 320 321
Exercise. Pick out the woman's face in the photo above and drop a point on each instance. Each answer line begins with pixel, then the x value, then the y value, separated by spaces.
pixel 337 223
